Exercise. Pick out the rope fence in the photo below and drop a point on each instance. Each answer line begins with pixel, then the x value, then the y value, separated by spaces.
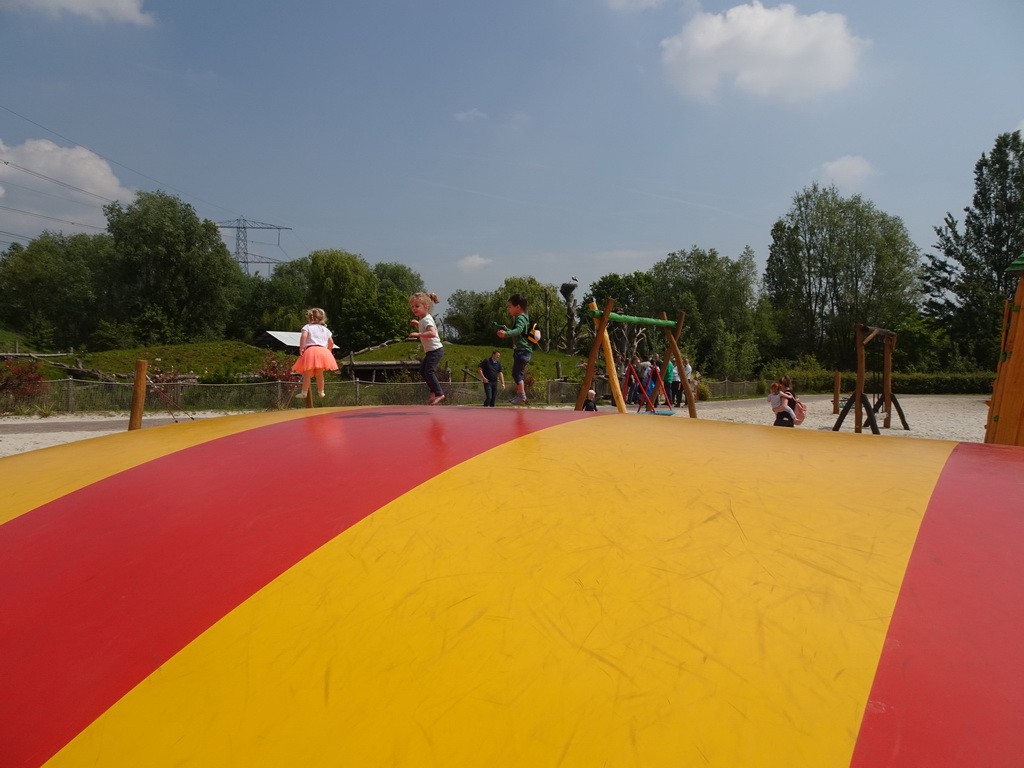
pixel 86 396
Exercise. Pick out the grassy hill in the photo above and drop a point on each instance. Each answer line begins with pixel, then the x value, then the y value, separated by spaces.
pixel 9 340
pixel 220 360
pixel 543 365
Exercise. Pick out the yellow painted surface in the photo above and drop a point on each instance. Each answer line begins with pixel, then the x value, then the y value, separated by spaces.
pixel 34 478
pixel 550 603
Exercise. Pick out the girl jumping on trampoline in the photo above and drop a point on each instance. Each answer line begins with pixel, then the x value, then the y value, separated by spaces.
pixel 315 345
pixel 421 304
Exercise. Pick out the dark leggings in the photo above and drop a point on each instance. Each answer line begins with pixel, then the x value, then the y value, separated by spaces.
pixel 428 370
pixel 783 419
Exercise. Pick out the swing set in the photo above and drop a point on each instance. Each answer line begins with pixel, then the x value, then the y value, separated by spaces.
pixel 645 389
pixel 603 344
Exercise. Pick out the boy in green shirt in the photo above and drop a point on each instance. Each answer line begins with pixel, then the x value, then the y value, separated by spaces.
pixel 521 345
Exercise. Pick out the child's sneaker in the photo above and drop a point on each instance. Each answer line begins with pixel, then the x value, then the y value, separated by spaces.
pixel 435 399
pixel 519 399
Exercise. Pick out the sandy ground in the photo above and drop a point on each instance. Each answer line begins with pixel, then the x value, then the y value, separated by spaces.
pixel 960 418
pixel 938 417
pixel 19 434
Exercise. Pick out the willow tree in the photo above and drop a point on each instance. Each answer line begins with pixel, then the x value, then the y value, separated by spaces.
pixel 359 311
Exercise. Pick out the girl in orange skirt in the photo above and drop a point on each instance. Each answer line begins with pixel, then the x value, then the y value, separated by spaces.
pixel 315 345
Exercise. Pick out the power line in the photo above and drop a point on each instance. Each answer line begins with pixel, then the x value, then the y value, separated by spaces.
pixel 57 181
pixel 51 218
pixel 109 160
pixel 241 224
pixel 76 201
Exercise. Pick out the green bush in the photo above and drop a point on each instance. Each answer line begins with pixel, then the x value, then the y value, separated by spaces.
pixel 973 383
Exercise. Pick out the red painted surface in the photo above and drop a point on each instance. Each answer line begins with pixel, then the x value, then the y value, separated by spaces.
pixel 948 687
pixel 100 587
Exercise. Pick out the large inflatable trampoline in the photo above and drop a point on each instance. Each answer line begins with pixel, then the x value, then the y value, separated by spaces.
pixel 452 587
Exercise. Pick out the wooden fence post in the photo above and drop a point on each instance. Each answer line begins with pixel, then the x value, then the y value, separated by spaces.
pixel 138 395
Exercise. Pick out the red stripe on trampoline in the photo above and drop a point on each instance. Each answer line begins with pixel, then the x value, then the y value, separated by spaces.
pixel 100 587
pixel 949 688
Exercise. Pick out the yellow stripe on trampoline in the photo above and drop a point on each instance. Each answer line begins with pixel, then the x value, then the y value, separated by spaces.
pixel 704 601
pixel 37 477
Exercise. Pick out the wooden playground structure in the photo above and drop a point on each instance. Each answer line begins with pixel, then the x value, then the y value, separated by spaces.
pixel 1005 424
pixel 603 344
pixel 864 410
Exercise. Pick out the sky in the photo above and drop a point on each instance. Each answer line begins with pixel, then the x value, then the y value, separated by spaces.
pixel 473 141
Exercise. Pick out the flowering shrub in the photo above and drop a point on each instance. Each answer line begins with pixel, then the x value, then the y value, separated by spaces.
pixel 275 367
pixel 21 377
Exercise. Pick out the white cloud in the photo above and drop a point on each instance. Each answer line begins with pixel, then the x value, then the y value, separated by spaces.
pixel 768 52
pixel 129 11
pixel 849 172
pixel 473 263
pixel 630 6
pixel 470 115
pixel 41 182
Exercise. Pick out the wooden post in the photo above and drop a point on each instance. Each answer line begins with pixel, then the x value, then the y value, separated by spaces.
pixel 602 342
pixel 138 395
pixel 1005 348
pixel 858 392
pixel 837 385
pixel 888 343
pixel 673 342
pixel 613 374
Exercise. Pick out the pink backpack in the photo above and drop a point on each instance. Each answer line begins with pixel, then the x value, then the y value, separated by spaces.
pixel 800 410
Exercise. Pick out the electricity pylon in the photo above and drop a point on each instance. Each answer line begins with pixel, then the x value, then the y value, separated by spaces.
pixel 242 227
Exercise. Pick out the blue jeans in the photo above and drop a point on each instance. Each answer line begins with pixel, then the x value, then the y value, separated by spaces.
pixel 519 360
pixel 490 393
pixel 428 370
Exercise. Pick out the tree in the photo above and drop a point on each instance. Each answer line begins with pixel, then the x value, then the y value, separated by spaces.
pixel 966 279
pixel 835 262
pixel 344 285
pixel 274 304
pixel 477 313
pixel 398 276
pixel 632 295
pixel 468 319
pixel 48 289
pixel 174 279
pixel 719 297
